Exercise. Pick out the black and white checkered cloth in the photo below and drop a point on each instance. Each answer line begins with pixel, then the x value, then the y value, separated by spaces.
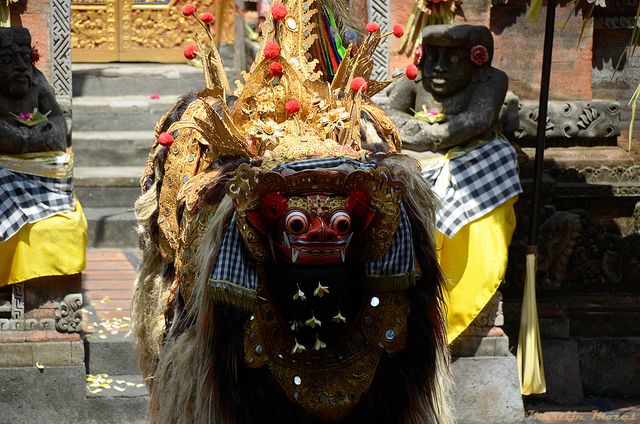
pixel 234 265
pixel 400 258
pixel 332 162
pixel 480 181
pixel 26 198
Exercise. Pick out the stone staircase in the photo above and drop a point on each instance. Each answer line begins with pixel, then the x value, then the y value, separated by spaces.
pixel 114 116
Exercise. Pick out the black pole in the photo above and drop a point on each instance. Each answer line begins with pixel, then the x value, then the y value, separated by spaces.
pixel 542 123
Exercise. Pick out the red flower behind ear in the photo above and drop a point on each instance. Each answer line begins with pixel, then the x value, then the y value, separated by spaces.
pixel 479 55
pixel 357 203
pixel 35 56
pixel 273 206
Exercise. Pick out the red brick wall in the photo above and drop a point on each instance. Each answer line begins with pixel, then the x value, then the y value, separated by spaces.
pixel 35 15
pixel 519 49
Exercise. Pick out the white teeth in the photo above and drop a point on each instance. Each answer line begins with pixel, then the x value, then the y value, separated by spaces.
pixel 342 254
pixel 286 240
pixel 348 240
pixel 294 254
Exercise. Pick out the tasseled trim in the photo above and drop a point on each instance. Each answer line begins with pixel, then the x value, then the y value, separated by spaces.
pixel 386 283
pixel 232 295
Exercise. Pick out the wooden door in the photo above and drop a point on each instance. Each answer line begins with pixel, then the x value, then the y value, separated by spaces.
pixel 140 30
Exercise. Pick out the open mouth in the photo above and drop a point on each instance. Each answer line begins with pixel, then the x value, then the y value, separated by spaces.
pixel 298 251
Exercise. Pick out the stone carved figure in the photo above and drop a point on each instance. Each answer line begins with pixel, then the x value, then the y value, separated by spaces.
pixel 39 212
pixel 449 116
pixel 469 95
pixel 23 89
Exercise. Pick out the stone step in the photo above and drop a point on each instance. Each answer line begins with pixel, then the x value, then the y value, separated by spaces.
pixel 123 402
pixel 119 113
pixel 107 197
pixel 111 227
pixel 120 79
pixel 112 355
pixel 111 148
pixel 107 176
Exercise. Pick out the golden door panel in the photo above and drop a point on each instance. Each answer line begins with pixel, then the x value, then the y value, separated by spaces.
pixel 142 31
pixel 94 31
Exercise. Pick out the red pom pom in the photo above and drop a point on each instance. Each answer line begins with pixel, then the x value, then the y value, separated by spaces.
pixel 358 84
pixel 412 72
pixel 273 206
pixel 188 10
pixel 207 18
pixel 35 56
pixel 275 69
pixel 271 50
pixel 372 27
pixel 279 11
pixel 292 106
pixel 165 139
pixel 398 31
pixel 190 52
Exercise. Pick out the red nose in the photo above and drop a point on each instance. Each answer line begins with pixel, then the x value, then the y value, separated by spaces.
pixel 319 232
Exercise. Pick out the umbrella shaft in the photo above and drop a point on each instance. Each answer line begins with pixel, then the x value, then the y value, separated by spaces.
pixel 542 118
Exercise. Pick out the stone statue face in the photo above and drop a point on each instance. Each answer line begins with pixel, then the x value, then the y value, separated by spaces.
pixel 446 70
pixel 16 70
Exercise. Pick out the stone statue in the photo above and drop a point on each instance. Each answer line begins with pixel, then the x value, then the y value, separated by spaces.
pixel 40 216
pixel 23 89
pixel 447 118
pixel 457 80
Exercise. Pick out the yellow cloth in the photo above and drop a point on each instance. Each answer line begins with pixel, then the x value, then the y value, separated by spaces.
pixel 53 246
pixel 475 261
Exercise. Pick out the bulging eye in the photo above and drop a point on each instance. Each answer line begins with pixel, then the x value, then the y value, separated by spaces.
pixel 340 223
pixel 297 223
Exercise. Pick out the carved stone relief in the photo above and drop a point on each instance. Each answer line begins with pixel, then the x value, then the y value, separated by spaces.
pixel 557 240
pixel 577 255
pixel 491 315
pixel 45 324
pixel 604 261
pixel 69 314
pixel 17 301
pixel 571 119
pixel 61 47
pixel 379 12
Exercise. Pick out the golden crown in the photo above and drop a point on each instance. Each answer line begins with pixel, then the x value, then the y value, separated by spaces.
pixel 286 110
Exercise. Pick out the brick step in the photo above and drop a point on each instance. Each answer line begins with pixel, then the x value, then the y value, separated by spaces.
pixel 111 148
pixel 112 79
pixel 122 402
pixel 119 113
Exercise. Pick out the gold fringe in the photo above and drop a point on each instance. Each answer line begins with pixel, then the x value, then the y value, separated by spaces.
pixel 229 294
pixel 386 283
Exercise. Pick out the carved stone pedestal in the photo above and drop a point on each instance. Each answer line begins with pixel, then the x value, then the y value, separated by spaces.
pixel 487 388
pixel 41 351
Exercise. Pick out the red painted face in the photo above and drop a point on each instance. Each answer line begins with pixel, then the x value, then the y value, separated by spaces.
pixel 315 229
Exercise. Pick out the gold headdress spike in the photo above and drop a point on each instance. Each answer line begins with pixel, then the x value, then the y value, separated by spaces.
pixel 285 111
